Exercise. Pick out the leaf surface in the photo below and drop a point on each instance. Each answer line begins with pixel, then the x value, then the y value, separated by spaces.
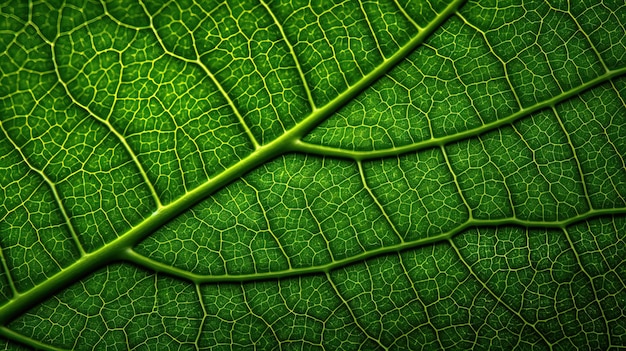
pixel 391 175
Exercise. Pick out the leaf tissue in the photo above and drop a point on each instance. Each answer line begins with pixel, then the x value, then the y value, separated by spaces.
pixel 313 175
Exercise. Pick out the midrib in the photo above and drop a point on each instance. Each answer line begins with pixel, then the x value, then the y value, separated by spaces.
pixel 114 250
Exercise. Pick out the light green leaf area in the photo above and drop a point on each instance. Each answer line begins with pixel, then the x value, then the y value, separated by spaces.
pixel 308 175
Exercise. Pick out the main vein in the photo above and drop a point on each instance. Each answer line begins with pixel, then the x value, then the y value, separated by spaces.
pixel 117 248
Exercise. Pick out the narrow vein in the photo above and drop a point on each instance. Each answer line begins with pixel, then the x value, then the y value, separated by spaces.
pixel 105 122
pixel 9 277
pixel 613 146
pixel 307 89
pixel 53 189
pixel 607 330
pixel 581 30
pixel 319 228
pixel 535 163
pixel 504 66
pixel 210 74
pixel 484 285
pixel 456 182
pixel 267 324
pixel 406 15
pixel 509 194
pixel 356 320
pixel 371 30
pixel 267 222
pixel 421 303
pixel 581 174
pixel 204 316
pixel 378 204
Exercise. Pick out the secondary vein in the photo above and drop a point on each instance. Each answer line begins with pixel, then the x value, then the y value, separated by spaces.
pixel 359 155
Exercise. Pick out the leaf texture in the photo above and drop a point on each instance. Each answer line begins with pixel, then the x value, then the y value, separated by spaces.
pixel 297 175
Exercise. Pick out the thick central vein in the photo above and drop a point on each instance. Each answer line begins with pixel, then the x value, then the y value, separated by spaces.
pixel 116 249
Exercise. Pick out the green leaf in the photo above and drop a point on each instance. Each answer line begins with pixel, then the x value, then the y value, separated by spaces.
pixel 269 174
